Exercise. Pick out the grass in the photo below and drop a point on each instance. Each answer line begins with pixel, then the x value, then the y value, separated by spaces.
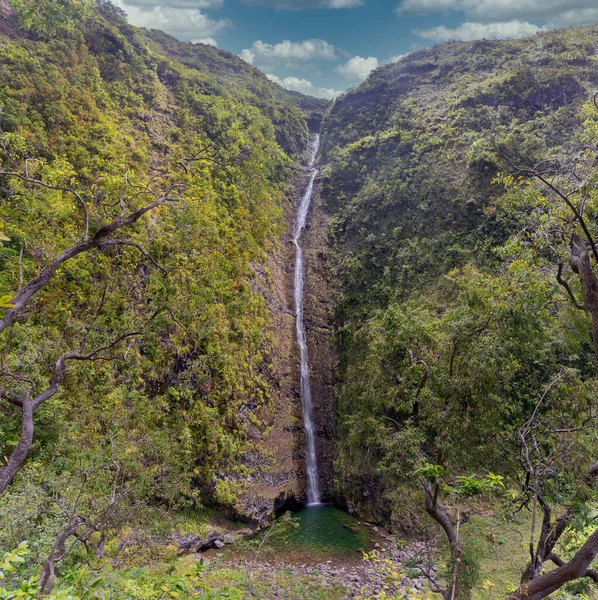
pixel 277 583
pixel 501 548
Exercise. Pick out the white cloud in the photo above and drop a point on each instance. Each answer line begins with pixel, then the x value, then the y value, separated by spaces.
pixel 397 58
pixel 208 41
pixel 195 4
pixel 247 56
pixel 477 31
pixel 574 17
pixel 303 4
pixel 290 51
pixel 183 23
pixel 304 86
pixel 498 10
pixel 358 68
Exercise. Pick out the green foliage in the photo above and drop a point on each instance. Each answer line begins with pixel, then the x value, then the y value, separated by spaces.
pixel 52 17
pixel 28 589
pixel 111 112
pixel 450 323
pixel 9 559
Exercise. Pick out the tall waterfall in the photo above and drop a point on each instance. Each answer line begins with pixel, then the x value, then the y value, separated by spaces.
pixel 311 461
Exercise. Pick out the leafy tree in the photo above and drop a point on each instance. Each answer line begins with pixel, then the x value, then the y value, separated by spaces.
pixel 52 17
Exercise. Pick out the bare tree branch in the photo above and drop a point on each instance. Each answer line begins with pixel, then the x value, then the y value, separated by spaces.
pixel 60 188
pixel 563 283
pixel 24 295
pixel 30 404
pixel 117 242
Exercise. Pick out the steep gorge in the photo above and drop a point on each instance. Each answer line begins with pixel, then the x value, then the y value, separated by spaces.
pixel 205 409
pixel 209 400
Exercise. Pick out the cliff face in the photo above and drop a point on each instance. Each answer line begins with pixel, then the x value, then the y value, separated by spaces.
pixel 319 324
pixel 208 398
pixel 8 19
pixel 278 462
pixel 279 476
pixel 409 162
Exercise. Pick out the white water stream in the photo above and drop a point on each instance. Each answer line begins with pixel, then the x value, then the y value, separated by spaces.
pixel 311 461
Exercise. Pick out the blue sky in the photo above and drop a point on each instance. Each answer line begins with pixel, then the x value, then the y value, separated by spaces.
pixel 322 47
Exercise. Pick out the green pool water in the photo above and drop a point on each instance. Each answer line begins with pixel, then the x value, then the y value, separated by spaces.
pixel 328 530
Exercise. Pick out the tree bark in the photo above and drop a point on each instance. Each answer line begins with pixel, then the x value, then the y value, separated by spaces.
pixel 441 517
pixel 550 582
pixel 579 256
pixel 29 405
pixel 19 454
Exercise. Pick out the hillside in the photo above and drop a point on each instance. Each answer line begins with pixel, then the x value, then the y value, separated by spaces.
pixel 194 407
pixel 162 381
pixel 449 317
pixel 412 152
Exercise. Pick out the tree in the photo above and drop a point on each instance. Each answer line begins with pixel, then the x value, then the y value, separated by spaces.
pixel 554 204
pixel 51 17
pixel 88 517
pixel 441 374
pixel 21 390
pixel 557 220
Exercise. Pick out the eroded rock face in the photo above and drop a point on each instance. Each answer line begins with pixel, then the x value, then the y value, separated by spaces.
pixel 8 19
pixel 277 460
pixel 319 311
pixel 5 9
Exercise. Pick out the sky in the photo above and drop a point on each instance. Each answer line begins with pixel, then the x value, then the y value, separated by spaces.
pixel 323 47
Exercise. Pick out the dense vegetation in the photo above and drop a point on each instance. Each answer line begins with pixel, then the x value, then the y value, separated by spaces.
pixel 167 167
pixel 466 368
pixel 143 184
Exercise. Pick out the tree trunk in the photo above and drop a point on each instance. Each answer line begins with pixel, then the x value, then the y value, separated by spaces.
pixel 18 456
pixel 46 579
pixel 579 254
pixel 441 517
pixel 550 582
pixel 549 536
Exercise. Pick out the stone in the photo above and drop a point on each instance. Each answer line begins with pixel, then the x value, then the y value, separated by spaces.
pixel 219 544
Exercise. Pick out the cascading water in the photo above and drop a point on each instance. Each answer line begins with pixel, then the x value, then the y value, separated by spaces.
pixel 311 462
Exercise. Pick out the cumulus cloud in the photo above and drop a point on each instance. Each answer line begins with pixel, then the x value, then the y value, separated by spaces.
pixel 477 31
pixel 183 23
pixel 303 4
pixel 397 58
pixel 498 10
pixel 208 41
pixel 196 4
pixel 574 17
pixel 248 56
pixel 358 68
pixel 289 51
pixel 297 84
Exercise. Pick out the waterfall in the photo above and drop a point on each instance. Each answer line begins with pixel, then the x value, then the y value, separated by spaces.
pixel 311 462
